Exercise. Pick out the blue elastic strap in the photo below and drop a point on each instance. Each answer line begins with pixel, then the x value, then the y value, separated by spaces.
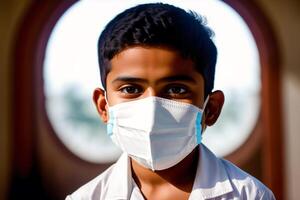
pixel 110 124
pixel 198 127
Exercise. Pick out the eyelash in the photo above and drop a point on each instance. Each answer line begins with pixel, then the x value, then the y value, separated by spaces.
pixel 178 87
pixel 183 91
pixel 137 90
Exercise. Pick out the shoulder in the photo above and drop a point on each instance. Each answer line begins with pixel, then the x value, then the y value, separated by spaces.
pixel 244 184
pixel 113 182
pixel 93 188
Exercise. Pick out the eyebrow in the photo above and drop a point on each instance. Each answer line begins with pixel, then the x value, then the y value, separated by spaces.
pixel 130 79
pixel 184 78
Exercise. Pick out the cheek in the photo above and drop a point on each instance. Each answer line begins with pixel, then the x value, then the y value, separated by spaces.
pixel 199 100
pixel 114 97
pixel 111 97
pixel 198 97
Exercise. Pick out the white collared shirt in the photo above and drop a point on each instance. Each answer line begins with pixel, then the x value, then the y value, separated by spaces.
pixel 215 179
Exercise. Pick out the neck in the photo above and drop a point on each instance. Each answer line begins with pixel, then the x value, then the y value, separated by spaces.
pixel 181 175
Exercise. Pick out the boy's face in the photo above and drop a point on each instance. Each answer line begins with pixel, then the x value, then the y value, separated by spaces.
pixel 140 72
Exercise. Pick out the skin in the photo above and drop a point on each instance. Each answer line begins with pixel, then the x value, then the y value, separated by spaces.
pixel 139 72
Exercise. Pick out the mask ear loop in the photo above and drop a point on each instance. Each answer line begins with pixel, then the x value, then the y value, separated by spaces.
pixel 198 124
pixel 203 109
pixel 205 102
pixel 105 96
pixel 111 121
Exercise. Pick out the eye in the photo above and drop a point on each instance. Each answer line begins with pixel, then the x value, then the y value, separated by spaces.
pixel 177 91
pixel 130 90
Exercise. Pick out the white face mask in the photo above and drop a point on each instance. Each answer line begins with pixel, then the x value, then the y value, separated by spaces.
pixel 157 133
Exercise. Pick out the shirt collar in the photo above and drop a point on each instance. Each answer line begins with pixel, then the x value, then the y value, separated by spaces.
pixel 211 178
pixel 119 183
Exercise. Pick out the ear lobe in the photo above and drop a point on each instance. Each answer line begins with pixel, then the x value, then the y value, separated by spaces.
pixel 101 104
pixel 214 107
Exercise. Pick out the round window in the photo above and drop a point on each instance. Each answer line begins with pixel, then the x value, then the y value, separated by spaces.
pixel 71 73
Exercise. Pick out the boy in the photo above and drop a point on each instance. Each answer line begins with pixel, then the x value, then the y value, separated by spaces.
pixel 157 65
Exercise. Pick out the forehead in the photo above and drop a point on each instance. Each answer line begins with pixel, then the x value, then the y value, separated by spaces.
pixel 152 63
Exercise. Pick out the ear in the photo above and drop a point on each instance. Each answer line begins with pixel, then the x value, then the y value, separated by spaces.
pixel 214 107
pixel 101 104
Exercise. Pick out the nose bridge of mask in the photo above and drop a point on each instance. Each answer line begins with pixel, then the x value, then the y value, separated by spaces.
pixel 144 114
pixel 162 115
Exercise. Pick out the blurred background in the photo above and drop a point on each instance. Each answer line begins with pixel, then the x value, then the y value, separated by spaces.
pixel 51 139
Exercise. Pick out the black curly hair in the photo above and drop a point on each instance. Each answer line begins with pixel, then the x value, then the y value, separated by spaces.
pixel 160 25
